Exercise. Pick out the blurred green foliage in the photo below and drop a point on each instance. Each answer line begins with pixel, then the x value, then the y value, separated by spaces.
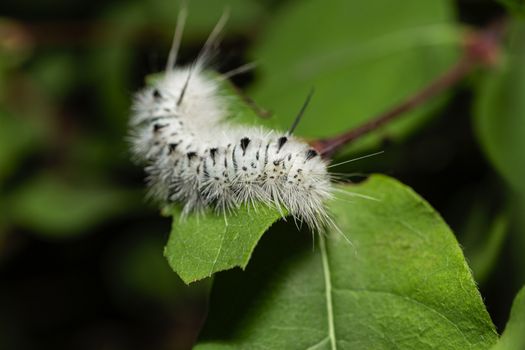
pixel 516 6
pixel 513 337
pixel 52 207
pixel 357 55
pixel 500 108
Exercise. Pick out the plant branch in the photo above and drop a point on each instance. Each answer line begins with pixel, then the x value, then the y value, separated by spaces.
pixel 479 48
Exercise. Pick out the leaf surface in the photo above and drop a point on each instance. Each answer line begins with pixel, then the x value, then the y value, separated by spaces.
pixel 402 283
pixel 200 245
pixel 360 58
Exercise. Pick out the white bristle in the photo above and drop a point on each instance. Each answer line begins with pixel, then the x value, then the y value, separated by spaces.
pixel 195 157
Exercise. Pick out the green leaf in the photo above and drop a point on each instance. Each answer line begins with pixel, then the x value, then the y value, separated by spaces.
pixel 402 283
pixel 200 245
pixel 513 337
pixel 54 208
pixel 18 137
pixel 361 59
pixel 204 14
pixel 55 74
pixel 517 7
pixel 203 244
pixel 499 111
pixel 517 236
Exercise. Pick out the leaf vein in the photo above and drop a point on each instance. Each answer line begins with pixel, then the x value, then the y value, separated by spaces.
pixel 407 298
pixel 218 251
pixel 328 291
pixel 321 342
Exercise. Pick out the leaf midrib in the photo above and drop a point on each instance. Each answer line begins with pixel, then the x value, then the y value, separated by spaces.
pixel 329 303
pixel 328 293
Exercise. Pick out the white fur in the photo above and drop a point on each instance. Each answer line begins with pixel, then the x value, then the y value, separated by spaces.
pixel 195 157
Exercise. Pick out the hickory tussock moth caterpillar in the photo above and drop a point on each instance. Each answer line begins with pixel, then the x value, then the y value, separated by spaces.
pixel 195 157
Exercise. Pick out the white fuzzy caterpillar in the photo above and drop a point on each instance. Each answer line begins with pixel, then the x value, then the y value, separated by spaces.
pixel 195 157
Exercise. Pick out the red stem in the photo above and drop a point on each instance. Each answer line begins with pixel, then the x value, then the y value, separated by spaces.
pixel 479 48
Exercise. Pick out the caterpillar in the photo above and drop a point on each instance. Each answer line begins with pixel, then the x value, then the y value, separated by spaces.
pixel 195 156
